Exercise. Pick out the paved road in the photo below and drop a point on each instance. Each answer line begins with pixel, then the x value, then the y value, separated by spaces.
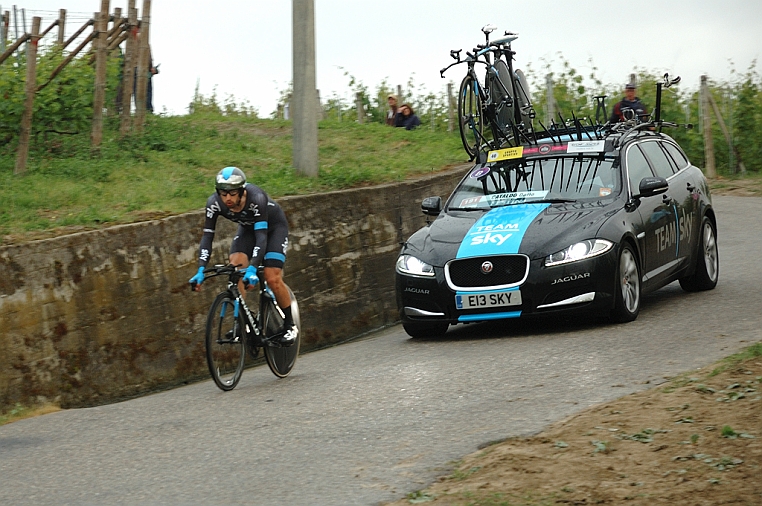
pixel 371 420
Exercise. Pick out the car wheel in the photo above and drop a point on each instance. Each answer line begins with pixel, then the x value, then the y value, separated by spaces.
pixel 707 262
pixel 627 298
pixel 431 329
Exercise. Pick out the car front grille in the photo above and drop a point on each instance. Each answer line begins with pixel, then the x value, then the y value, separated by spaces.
pixel 507 270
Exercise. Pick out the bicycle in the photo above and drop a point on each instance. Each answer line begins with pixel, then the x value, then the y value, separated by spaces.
pixel 502 106
pixel 232 330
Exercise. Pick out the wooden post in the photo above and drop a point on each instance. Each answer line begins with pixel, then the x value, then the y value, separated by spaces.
pixel 550 100
pixel 128 70
pixel 305 123
pixel 450 108
pixel 4 20
pixel 144 57
pixel 61 26
pixel 89 22
pixel 99 97
pixel 400 98
pixel 725 132
pixel 709 168
pixel 360 109
pixel 31 88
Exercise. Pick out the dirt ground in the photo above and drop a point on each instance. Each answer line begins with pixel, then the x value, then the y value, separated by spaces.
pixel 695 440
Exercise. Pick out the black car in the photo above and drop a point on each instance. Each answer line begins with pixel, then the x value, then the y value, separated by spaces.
pixel 574 223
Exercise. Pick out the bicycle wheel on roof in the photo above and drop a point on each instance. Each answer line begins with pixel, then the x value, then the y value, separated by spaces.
pixel 470 121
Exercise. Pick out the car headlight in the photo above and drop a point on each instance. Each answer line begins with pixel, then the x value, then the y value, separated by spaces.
pixel 410 265
pixel 580 251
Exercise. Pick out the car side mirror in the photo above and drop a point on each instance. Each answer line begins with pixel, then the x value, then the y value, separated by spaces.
pixel 432 206
pixel 650 186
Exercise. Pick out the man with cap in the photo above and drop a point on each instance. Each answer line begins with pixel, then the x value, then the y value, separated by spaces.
pixel 392 112
pixel 630 101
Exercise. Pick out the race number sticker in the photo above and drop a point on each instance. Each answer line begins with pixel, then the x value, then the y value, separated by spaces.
pixel 505 154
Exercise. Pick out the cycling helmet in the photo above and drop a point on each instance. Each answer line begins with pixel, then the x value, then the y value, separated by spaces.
pixel 230 178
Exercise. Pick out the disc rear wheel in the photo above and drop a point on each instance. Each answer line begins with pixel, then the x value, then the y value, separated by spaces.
pixel 225 342
pixel 281 360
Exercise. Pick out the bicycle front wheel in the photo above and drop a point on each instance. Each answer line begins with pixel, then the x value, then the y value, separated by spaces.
pixel 281 360
pixel 470 116
pixel 225 343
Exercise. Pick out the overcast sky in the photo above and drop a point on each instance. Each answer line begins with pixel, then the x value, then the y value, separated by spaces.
pixel 243 47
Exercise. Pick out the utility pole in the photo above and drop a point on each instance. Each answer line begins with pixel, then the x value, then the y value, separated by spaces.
pixel 305 149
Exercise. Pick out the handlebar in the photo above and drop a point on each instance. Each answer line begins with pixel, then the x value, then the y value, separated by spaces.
pixel 234 273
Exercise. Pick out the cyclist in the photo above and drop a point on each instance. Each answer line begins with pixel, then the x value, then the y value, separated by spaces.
pixel 262 237
pixel 630 101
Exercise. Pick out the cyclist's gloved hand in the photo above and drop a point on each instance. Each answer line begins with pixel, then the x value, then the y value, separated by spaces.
pixel 250 276
pixel 198 278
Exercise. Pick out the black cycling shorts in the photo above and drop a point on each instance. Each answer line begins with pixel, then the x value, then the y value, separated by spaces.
pixel 277 240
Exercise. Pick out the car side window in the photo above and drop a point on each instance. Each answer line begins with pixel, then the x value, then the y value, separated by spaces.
pixel 637 168
pixel 659 161
pixel 676 155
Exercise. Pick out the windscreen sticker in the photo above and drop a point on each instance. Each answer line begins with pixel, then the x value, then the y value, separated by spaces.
pixel 500 231
pixel 586 146
pixel 502 199
pixel 505 154
pixel 480 171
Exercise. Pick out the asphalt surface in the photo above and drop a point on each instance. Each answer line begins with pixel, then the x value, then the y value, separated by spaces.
pixel 371 420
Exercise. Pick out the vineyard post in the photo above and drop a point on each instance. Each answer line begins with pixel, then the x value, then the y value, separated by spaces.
pixel 450 108
pixel 113 37
pixel 128 71
pixel 400 98
pixel 61 26
pixel 31 87
pixel 144 57
pixel 359 107
pixel 3 28
pixel 100 75
pixel 710 169
pixel 726 133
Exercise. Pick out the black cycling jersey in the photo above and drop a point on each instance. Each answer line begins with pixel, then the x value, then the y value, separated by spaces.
pixel 262 231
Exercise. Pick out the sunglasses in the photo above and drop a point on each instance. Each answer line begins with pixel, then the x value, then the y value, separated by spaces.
pixel 225 193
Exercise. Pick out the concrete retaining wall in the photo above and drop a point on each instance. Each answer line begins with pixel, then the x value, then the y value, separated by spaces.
pixel 105 315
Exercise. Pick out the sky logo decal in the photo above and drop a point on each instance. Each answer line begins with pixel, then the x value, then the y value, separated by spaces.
pixel 500 231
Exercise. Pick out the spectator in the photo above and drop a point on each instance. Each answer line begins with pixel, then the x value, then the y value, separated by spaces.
pixel 630 101
pixel 405 117
pixel 392 112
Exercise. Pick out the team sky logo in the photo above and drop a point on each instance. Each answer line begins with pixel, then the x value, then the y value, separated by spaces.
pixel 500 231
pixel 667 235
pixel 493 234
pixel 254 208
pixel 213 209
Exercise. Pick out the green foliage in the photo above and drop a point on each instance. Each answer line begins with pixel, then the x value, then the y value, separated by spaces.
pixel 170 168
pixel 64 106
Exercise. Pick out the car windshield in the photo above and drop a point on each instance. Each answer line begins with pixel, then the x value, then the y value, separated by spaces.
pixel 551 179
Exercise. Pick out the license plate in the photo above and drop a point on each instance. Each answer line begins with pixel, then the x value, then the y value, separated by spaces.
pixel 493 299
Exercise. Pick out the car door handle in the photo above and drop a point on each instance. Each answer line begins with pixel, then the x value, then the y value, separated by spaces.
pixel 666 199
pixel 691 188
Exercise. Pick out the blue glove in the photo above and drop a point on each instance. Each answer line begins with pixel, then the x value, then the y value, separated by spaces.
pixel 198 278
pixel 250 276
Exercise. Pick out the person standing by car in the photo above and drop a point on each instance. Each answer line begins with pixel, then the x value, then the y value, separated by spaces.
pixel 406 118
pixel 630 101
pixel 262 237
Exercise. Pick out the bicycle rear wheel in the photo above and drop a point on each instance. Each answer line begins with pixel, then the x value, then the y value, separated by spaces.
pixel 281 360
pixel 505 103
pixel 470 120
pixel 225 343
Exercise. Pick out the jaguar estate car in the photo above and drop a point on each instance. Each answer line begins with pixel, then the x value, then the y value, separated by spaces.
pixel 560 226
